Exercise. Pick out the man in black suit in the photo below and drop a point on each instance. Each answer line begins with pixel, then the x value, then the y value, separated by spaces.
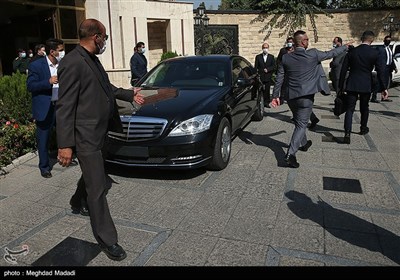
pixel 86 107
pixel 265 65
pixel 386 54
pixel 360 62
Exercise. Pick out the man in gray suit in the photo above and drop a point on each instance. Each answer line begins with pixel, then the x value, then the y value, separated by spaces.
pixel 303 72
pixel 86 107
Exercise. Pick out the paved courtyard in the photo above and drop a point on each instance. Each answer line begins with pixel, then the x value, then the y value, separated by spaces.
pixel 340 208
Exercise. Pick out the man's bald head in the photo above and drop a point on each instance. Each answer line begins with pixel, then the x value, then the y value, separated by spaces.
pixel 90 27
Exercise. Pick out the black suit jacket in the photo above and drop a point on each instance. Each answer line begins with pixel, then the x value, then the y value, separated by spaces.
pixel 86 102
pixel 360 62
pixel 270 65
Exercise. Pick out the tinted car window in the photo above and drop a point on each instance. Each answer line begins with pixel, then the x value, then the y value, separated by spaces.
pixel 180 73
pixel 241 69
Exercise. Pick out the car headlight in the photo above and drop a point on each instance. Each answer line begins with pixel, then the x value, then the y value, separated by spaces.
pixel 192 126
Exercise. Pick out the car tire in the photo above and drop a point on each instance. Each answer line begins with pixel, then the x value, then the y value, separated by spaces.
pixel 222 146
pixel 259 113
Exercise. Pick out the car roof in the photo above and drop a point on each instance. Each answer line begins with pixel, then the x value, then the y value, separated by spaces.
pixel 381 43
pixel 215 57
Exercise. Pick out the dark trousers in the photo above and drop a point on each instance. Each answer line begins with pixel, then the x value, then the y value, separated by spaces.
pixel 313 117
pixel 43 132
pixel 351 100
pixel 266 92
pixel 92 186
pixel 301 108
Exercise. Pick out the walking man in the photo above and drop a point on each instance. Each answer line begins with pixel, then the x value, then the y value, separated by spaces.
pixel 360 62
pixel 85 108
pixel 302 70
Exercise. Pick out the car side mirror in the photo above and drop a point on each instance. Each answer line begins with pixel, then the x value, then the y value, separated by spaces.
pixel 242 82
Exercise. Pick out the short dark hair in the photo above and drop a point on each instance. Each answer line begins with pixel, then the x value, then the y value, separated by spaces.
pixel 297 36
pixel 139 44
pixel 52 44
pixel 338 39
pixel 367 35
pixel 38 47
pixel 387 37
pixel 289 38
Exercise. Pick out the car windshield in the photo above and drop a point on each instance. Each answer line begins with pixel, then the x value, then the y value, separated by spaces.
pixel 183 73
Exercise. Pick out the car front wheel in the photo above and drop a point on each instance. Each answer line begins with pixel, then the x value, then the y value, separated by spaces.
pixel 222 146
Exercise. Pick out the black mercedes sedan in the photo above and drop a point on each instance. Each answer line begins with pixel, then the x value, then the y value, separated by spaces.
pixel 194 107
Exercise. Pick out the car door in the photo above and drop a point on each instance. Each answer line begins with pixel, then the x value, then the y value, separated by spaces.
pixel 243 84
pixel 396 59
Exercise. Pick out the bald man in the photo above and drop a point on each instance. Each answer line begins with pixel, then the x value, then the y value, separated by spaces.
pixel 86 107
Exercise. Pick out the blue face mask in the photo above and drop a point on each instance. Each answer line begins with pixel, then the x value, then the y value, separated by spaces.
pixel 289 45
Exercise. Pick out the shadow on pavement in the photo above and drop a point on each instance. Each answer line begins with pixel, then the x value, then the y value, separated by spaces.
pixel 302 206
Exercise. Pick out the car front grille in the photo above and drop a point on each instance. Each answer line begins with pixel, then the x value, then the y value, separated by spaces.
pixel 136 128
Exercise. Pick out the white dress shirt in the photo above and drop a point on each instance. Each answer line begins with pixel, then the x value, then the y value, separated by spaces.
pixel 53 72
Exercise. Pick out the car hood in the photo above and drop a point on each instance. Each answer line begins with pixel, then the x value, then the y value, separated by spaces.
pixel 175 103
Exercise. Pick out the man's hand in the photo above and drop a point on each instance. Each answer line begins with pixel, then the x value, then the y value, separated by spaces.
pixel 64 156
pixel 53 80
pixel 349 43
pixel 275 102
pixel 137 96
pixel 385 94
pixel 265 70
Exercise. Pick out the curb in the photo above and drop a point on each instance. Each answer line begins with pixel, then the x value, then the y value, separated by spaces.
pixel 16 162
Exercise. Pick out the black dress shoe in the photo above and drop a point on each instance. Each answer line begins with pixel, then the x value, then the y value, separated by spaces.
pixel 81 208
pixel 292 161
pixel 306 146
pixel 46 174
pixel 364 130
pixel 114 252
pixel 386 100
pixel 313 124
pixel 374 101
pixel 346 138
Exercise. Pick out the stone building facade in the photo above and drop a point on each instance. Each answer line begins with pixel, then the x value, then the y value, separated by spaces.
pixel 347 24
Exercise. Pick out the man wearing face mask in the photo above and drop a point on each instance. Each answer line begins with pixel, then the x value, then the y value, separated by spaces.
pixel 336 63
pixel 265 65
pixel 86 107
pixel 21 63
pixel 385 55
pixel 42 82
pixel 138 63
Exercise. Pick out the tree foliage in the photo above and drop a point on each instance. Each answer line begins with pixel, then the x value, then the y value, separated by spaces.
pixel 290 15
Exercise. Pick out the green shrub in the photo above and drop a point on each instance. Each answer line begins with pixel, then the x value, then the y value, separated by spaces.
pixel 167 55
pixel 17 131
pixel 15 141
pixel 15 100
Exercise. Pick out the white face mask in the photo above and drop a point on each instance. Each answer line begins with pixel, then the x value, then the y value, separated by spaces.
pixel 265 50
pixel 143 50
pixel 23 55
pixel 289 45
pixel 31 55
pixel 103 49
pixel 60 56
pixel 44 54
